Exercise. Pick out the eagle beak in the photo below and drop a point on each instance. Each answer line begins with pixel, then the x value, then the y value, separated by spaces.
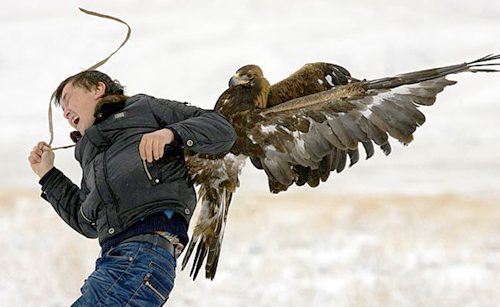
pixel 233 81
pixel 238 79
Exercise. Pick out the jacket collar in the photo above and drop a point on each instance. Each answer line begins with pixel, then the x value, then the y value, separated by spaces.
pixel 104 108
pixel 109 106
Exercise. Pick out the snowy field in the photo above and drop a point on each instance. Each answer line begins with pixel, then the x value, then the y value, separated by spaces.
pixel 291 250
pixel 417 228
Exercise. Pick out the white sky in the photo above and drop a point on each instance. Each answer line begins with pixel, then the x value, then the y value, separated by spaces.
pixel 187 50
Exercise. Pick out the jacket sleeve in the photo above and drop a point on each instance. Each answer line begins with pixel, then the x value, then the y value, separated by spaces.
pixel 66 198
pixel 202 131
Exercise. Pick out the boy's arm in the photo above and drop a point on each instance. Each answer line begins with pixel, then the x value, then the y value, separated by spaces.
pixel 66 199
pixel 58 190
pixel 202 131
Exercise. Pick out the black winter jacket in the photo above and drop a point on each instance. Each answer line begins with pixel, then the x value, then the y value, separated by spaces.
pixel 118 188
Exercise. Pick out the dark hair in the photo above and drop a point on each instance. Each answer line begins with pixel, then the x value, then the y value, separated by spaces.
pixel 89 79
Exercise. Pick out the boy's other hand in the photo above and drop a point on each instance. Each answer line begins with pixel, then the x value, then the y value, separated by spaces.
pixel 152 145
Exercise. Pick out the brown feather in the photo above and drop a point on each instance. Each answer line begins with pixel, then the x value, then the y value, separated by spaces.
pixel 310 79
pixel 304 127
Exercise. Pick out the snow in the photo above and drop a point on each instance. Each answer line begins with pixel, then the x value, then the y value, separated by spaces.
pixel 187 50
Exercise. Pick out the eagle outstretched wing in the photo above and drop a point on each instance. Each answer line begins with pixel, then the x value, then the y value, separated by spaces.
pixel 313 127
pixel 306 139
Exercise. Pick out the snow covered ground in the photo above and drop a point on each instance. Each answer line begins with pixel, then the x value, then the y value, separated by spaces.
pixel 405 252
pixel 288 250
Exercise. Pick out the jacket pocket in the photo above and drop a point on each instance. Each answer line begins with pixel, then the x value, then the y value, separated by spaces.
pixel 86 218
pixel 152 172
pixel 90 207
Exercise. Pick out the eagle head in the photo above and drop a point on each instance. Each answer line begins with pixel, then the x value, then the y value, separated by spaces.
pixel 245 75
pixel 248 89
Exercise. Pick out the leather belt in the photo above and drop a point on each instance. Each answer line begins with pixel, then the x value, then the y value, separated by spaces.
pixel 152 238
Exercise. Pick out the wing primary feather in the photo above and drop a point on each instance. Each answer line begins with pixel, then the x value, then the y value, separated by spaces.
pixel 256 162
pixel 201 252
pixel 342 134
pixel 368 145
pixel 353 156
pixel 325 167
pixel 386 148
pixel 428 74
pixel 350 122
pixel 342 159
pixel 335 159
pixel 314 177
pixel 396 123
pixel 372 131
pixel 303 174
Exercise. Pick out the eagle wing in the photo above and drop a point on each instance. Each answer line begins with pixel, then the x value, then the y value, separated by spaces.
pixel 305 139
pixel 217 180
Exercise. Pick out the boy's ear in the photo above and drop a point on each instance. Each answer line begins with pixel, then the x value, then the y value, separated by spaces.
pixel 100 89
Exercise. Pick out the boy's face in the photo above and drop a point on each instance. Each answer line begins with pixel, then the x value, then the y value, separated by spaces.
pixel 79 105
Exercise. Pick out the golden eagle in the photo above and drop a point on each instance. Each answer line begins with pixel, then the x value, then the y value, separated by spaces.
pixel 303 128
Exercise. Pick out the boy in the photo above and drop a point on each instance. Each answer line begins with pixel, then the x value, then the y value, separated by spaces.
pixel 135 194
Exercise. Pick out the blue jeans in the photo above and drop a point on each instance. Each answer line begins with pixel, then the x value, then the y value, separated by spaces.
pixel 130 274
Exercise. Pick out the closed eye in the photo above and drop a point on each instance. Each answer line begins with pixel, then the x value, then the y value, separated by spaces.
pixel 64 101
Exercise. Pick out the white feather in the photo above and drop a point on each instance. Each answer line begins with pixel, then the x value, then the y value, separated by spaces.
pixel 268 129
pixel 329 80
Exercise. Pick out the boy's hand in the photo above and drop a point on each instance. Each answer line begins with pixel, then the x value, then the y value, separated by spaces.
pixel 41 159
pixel 152 145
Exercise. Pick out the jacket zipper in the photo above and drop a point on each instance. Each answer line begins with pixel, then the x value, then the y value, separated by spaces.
pixel 85 217
pixel 106 179
pixel 112 214
pixel 147 170
pixel 150 286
